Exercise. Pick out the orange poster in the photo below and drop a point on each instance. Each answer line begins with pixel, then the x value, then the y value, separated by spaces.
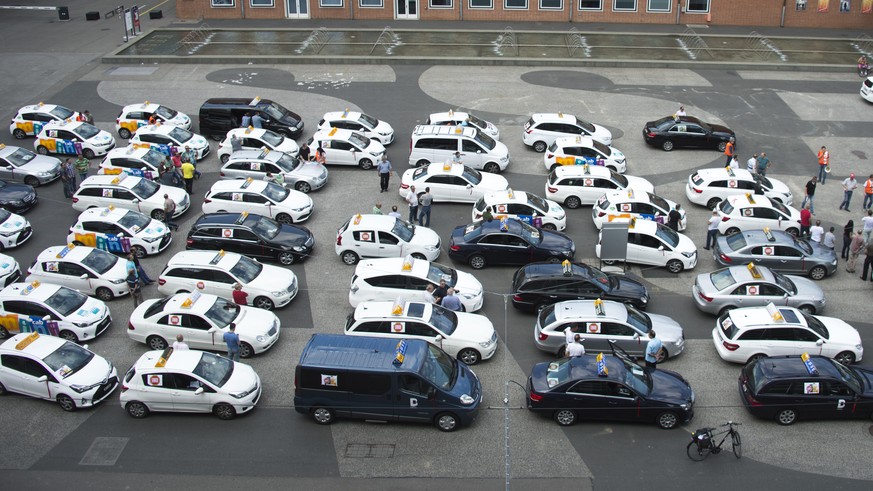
pixel 823 5
pixel 867 6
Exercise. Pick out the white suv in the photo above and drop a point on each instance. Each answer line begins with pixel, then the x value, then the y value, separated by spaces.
pixel 584 184
pixel 521 206
pixel 458 118
pixel 260 198
pixel 542 129
pixel 709 186
pixel 146 236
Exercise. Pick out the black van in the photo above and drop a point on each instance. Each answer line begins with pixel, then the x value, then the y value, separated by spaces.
pixel 220 115
pixel 384 380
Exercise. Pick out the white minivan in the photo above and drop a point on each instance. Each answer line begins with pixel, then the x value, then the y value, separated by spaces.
pixel 440 143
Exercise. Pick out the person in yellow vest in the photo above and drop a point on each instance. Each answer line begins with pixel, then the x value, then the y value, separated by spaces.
pixel 868 193
pixel 188 171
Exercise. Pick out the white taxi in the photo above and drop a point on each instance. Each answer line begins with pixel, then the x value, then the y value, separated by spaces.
pixel 460 118
pixel 358 122
pixel 866 89
pixel 171 140
pixel 29 120
pixel 748 212
pixel 267 286
pixel 258 197
pixel 202 319
pixel 583 150
pixel 72 138
pixel 384 236
pixel 81 268
pixel 189 381
pixel 638 204
pixel 526 207
pixel 62 311
pixel 542 129
pixel 709 186
pixel 129 192
pixel 345 147
pixel 451 182
pixel 651 243
pixel 256 139
pixel 135 116
pixel 121 230
pixel 137 159
pixel 468 337
pixel 53 369
pixel 394 277
pixel 10 272
pixel 579 185
pixel 14 230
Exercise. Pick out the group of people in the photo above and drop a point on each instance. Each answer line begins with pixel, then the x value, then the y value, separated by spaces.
pixel 575 346
pixel 70 170
pixel 444 296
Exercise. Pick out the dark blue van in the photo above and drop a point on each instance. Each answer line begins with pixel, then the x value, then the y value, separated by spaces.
pixel 384 380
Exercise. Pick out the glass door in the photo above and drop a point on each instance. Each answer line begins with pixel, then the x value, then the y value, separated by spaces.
pixel 297 9
pixel 407 9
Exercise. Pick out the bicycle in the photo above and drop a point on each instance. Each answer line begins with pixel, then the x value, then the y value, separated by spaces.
pixel 703 442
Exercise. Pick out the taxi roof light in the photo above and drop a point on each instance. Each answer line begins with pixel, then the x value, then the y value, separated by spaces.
pixel 332 132
pixel 459 130
pixel 630 193
pixel 509 193
pixel 504 224
pixel 162 361
pixel 407 263
pixel 66 250
pixel 24 343
pixel 769 234
pixel 400 352
pixel 242 217
pixel 397 308
pixel 217 258
pixel 586 169
pixel 451 112
pixel 447 166
pixel 145 104
pixel 567 267
pixel 191 300
pixel 249 129
pixel 598 307
pixel 560 114
pixel 345 113
pixel 248 182
pixel 754 270
pixel 730 171
pixel 810 366
pixel 357 220
pixel 255 101
pixel 31 287
pixel 632 222
pixel 602 371
pixel 774 313
pixel 750 198
pixel 2 146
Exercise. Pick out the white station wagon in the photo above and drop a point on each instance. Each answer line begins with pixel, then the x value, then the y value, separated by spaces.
pixel 260 198
pixel 584 184
pixel 384 236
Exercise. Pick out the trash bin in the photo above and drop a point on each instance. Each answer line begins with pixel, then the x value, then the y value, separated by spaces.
pixel 64 13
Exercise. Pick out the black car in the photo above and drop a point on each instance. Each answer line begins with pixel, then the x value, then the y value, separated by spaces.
pixel 218 116
pixel 686 132
pixel 507 241
pixel 17 198
pixel 787 388
pixel 539 284
pixel 577 388
pixel 251 235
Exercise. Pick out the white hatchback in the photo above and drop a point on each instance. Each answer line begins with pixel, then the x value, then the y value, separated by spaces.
pixel 30 120
pixel 68 313
pixel 344 147
pixel 542 129
pixel 257 139
pixel 358 122
pixel 584 184
pixel 526 207
pixel 638 204
pixel 750 212
pixel 171 140
pixel 73 138
pixel 14 230
pixel 654 244
pixel 709 186
pixel 452 182
pixel 384 236
pixel 134 116
pixel 583 150
pixel 86 269
pixel 146 236
pixel 260 198
pixel 129 192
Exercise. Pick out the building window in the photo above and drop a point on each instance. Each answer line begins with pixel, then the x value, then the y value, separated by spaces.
pixel 514 4
pixel 659 5
pixel 261 3
pixel 801 5
pixel 370 3
pixel 697 6
pixel 625 5
pixel 223 3
pixel 481 4
pixel 330 3
pixel 441 4
pixel 551 4
pixel 590 4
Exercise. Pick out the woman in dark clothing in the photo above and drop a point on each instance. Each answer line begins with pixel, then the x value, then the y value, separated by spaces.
pixel 847 238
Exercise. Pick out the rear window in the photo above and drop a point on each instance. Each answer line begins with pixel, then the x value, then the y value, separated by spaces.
pixel 726 207
pixel 547 315
pixel 736 241
pixel 727 326
pixel 553 147
pixel 868 83
pixel 696 179
pixel 722 278
pixel 480 204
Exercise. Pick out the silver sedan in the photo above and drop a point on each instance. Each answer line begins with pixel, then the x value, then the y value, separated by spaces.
pixel 753 286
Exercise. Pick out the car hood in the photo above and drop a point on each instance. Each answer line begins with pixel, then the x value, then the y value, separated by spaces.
pixel 8 265
pixel 196 141
pixel 178 195
pixel 383 128
pixel 669 386
pixel 626 287
pixel 42 163
pixel 806 288
pixel 685 244
pixel 867 375
pixel 252 322
pixel 288 146
pixel 153 229
pixel 91 311
pixel 102 137
pixel 292 234
pixel 490 182
pixel 718 129
pixel 375 147
pixel 310 169
pixel 467 284
pixel 242 379
pixel 474 328
pixel 839 331
pixel 13 191
pixel 296 199
pixel 117 272
pixel 555 241
pixel 779 186
pixel 640 184
pixel 424 236
pixel 602 134
pixel 97 370
pixel 821 252
pixel 272 278
pixel 13 223
pixel 667 330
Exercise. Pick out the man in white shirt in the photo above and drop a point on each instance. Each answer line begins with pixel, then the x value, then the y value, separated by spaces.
pixel 816 232
pixel 712 230
pixel 179 344
pixel 849 187
pixel 412 201
pixel 829 239
pixel 735 163
pixel 752 163
pixel 868 225
pixel 575 348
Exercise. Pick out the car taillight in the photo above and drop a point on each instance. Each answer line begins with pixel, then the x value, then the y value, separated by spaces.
pixel 730 346
pixel 404 186
pixel 698 191
pixel 221 173
pixel 535 397
pixel 516 297
pixel 162 281
pixel 455 248
pixel 189 242
pixel 552 190
pixel 123 388
pixel 206 200
pixel 71 230
pixel 542 336
pixel 117 121
pixel 650 134
pixel 548 156
pixel 339 240
pixel 130 326
pixel 601 214
pixel 529 131
pixel 724 219
pixel 75 200
pixel 701 295
pixel 725 258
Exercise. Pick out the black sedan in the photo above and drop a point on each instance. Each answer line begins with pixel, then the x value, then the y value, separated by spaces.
pixel 787 388
pixel 17 198
pixel 539 284
pixel 507 241
pixel 571 389
pixel 251 235
pixel 686 132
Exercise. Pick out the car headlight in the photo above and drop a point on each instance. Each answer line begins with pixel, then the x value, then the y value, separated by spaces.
pixel 9 234
pixel 485 344
pixel 44 174
pixel 689 254
pixel 261 338
pixel 834 262
pixel 299 209
pixel 684 406
pixel 858 347
pixel 84 388
pixel 644 299
pixel 298 248
pixel 277 294
pixel 431 247
pixel 16 202
pixel 151 239
pixel 117 282
pixel 81 324
pixel 241 394
pixel 466 399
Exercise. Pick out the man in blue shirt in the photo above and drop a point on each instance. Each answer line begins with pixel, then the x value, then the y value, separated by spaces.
pixel 257 120
pixel 232 340
pixel 451 301
pixel 652 349
pixel 384 169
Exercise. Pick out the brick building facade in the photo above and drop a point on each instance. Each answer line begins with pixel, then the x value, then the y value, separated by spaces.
pixel 850 14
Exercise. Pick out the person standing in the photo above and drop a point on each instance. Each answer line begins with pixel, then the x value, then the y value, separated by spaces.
pixel 868 193
pixel 673 218
pixel 87 118
pixel 680 113
pixel 231 338
pixel 712 230
pixel 816 232
pixel 575 348
pixel 179 344
pixel 143 277
pixel 304 153
pixel 169 211
pixel 868 261
pixel 68 177
pixel 257 120
pixel 809 197
pixel 412 201
pixel 384 169
pixel 440 292
pixel 191 156
pixel 763 164
pixel 855 249
pixel 188 171
pixel 134 286
pixel 805 220
pixel 752 163
pixel 425 201
pixel 377 208
pixel 849 186
pixel 427 294
pixel 236 143
pixel 239 296
pixel 653 348
pixel 394 213
pixel 735 163
pixel 452 301
pixel 824 158
pixel 830 239
pixel 729 152
pixel 847 238
pixel 246 120
pixel 320 157
pixel 867 222
pixel 82 165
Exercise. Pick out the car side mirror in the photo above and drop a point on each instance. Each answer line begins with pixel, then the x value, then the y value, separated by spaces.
pixel 637 337
pixel 199 391
pixel 85 346
pixel 46 317
pixel 439 338
pixel 135 200
pixel 661 248
pixel 819 342
pixel 479 152
pixel 83 277
pixel 212 330
pixel 42 379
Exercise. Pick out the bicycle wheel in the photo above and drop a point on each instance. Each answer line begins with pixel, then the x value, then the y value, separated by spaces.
pixel 738 444
pixel 695 453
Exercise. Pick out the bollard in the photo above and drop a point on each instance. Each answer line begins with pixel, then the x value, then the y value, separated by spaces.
pixel 63 13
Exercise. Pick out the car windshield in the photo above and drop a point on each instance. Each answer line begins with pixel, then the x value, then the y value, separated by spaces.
pixel 100 261
pixel 485 140
pixel 288 163
pixel 850 377
pixel 145 189
pixel 439 368
pixel 816 325
pixel 181 135
pixel 659 202
pixel 154 157
pixel 638 319
pixel 368 121
pixel 20 157
pixel 779 206
pixel 359 140
pixel 803 245
pixel 597 276
pixel 134 221
pixel 620 179
pixel 437 272
pixel 86 131
pixel 585 124
pixel 4 215
pixel 61 112
pixel 272 139
pixel 721 279
pixel 537 202
pixel 275 192
pixel 481 123
pixel 444 320
pixel 530 234
pixel 68 359
pixel 222 312
pixel 763 181
pixel 736 241
pixel 266 227
pixel 214 369
pixel 403 230
pixel 166 112
pixel 246 269
pixel 65 301
pixel 274 111
pixel 635 377
pixel 667 234
pixel 471 175
pixel 603 149
pixel 785 283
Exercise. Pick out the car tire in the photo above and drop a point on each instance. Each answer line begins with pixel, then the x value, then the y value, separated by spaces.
pixel 217 138
pixel 285 258
pixel 182 291
pixel 69 336
pixel 469 356
pixel 667 420
pixel 66 402
pixel 124 133
pixel 104 294
pixel 304 187
pixel 42 150
pixel 724 310
pixel 224 411
pixel 809 309
pixel 675 266
pixel 365 164
pixel 662 355
pixel 263 303
pixel 565 417
pixel 224 159
pixel 246 350
pixel 3 333
pixel 550 226
pixel 573 202
pixel 159 215
pixel 786 417
pixel 88 153
pixel 138 251
pixel 349 257
pixel 477 261
pixel 731 231
pixel 846 358
pixel 756 357
pixel 136 409
pixel 284 218
pixel 446 422
pixel 539 146
pixel 323 415
pixel 422 163
pixel 609 262
pixel 667 146
pixel 721 146
pixel 712 203
pixel 793 231
pixel 19 134
pixel 418 255
pixel 31 181
pixel 156 343
pixel 818 273
pixel 492 168
pixel 3 390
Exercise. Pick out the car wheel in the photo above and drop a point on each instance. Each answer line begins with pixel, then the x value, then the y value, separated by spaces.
pixel 565 417
pixel 573 202
pixel 722 146
pixel 3 390
pixel 422 163
pixel 104 294
pixel 322 415
pixel 540 147
pixel 66 402
pixel 675 266
pixel 69 336
pixel 667 146
pixel 818 272
pixel 19 134
pixel 809 309
pixel 477 262
pixel 286 258
pixel 724 310
pixel 365 164
pixel 284 218
pixel 216 138
pixel 183 291
pixel 731 231
pixel 303 187
pixel 224 159
pixel 661 356
pixel 712 203
pixel 786 417
pixel 549 226
pixel 156 343
pixel 246 350
pixel 137 409
pixel 609 262
pixel 492 167
pixel 756 357
pixel 31 181
pixel 793 231
pixel 469 356
pixel 224 411
pixel 667 420
pixel 3 333
pixel 88 153
pixel 349 257
pixel 42 150
pixel 138 251
pixel 264 303
pixel 124 133
pixel 159 215
pixel 446 422
pixel 846 358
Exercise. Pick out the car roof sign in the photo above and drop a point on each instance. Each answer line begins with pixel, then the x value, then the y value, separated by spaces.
pixel 24 343
pixel 750 198
pixel 407 263
pixel 255 101
pixel 810 366
pixel 191 300
pixel 598 307
pixel 217 258
pixel 754 271
pixel 602 371
pixel 162 361
pixel 730 171
pixel 567 267
pixel 504 225
pixel 357 220
pixel 247 183
pixel 66 250
pixel 400 352
pixel 331 132
pixel 397 308
pixel 769 234
pixel 31 287
pixel 345 113
pixel 106 211
pixel 774 313
pixel 242 217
